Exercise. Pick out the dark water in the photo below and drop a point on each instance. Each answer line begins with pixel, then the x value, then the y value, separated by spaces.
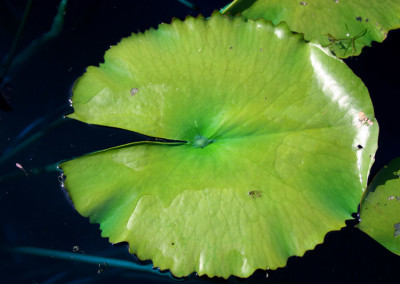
pixel 34 209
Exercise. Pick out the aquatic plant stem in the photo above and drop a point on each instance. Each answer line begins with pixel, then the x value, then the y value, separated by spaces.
pixel 189 4
pixel 8 60
pixel 33 138
pixel 37 44
pixel 27 172
pixel 110 262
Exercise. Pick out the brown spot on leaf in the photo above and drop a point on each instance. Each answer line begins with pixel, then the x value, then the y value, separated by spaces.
pixel 254 193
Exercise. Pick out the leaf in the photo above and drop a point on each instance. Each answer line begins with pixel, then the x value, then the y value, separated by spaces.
pixel 345 26
pixel 269 161
pixel 380 208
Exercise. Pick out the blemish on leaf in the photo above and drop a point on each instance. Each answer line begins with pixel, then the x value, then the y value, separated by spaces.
pixel 396 230
pixel 359 147
pixel 391 197
pixel 134 91
pixel 231 47
pixel 303 3
pixel 254 194
pixel 261 49
pixel 172 244
pixel 363 119
pixel 359 19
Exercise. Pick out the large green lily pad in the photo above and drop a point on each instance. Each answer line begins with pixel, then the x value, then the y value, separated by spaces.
pixel 345 26
pixel 269 159
pixel 380 208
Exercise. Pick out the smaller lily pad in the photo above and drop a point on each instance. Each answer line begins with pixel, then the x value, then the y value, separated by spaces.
pixel 380 208
pixel 345 26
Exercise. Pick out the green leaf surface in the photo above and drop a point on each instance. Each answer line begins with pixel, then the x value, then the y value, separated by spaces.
pixel 271 161
pixel 345 26
pixel 380 208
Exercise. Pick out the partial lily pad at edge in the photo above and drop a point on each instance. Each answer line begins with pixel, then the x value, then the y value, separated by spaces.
pixel 345 26
pixel 272 161
pixel 380 208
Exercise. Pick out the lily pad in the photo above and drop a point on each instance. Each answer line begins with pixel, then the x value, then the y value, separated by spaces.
pixel 345 26
pixel 380 208
pixel 269 158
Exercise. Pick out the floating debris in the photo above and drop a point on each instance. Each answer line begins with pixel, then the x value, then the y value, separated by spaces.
pixel 19 166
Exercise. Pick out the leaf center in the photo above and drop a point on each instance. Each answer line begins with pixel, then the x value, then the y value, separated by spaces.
pixel 200 141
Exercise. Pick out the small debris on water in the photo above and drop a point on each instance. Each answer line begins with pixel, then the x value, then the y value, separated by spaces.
pixel 19 166
pixel 101 267
pixel 303 3
pixel 336 1
pixel 134 91
pixel 61 178
pixel 390 197
pixel 75 248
